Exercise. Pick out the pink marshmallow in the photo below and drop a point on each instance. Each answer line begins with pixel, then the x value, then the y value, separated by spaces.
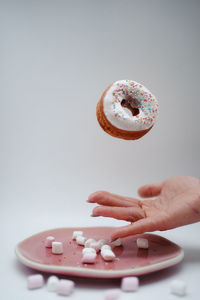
pixel 35 281
pixel 130 284
pixel 112 294
pixel 65 287
pixel 49 240
pixel 96 245
pixel 89 258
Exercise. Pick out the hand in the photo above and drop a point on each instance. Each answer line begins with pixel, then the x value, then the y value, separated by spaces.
pixel 177 203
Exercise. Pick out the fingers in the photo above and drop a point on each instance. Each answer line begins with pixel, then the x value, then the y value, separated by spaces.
pixel 141 226
pixel 130 214
pixel 108 199
pixel 150 190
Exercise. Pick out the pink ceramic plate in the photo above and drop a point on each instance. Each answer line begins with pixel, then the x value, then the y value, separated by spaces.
pixel 130 260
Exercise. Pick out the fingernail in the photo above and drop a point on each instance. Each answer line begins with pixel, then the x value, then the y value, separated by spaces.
pixel 93 216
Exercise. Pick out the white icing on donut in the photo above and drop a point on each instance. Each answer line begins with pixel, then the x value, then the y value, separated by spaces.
pixel 122 117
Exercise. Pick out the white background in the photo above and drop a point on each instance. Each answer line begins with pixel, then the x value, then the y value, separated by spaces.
pixel 57 57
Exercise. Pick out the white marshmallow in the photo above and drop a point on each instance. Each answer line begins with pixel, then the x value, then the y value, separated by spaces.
pixel 65 287
pixel 117 242
pixel 102 242
pixel 178 287
pixel 49 240
pixel 112 294
pixel 57 248
pixel 76 233
pixel 142 243
pixel 80 240
pixel 88 242
pixel 35 281
pixel 130 284
pixel 104 247
pixel 88 250
pixel 96 245
pixel 107 255
pixel 52 283
pixel 89 258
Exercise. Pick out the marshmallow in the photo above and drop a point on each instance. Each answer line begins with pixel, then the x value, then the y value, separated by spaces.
pixel 117 242
pixel 96 245
pixel 104 247
pixel 35 281
pixel 65 287
pixel 76 233
pixel 142 243
pixel 178 287
pixel 49 240
pixel 107 254
pixel 102 242
pixel 130 284
pixel 52 283
pixel 88 242
pixel 88 250
pixel 57 248
pixel 80 240
pixel 112 294
pixel 89 258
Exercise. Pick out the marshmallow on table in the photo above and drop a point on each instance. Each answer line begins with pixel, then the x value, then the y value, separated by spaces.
pixel 178 287
pixel 107 254
pixel 89 258
pixel 142 243
pixel 49 240
pixel 76 233
pixel 117 242
pixel 88 242
pixel 80 240
pixel 57 248
pixel 65 287
pixel 112 294
pixel 52 283
pixel 35 281
pixel 130 284
pixel 88 250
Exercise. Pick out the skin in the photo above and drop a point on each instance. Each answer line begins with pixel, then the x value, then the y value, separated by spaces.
pixel 176 203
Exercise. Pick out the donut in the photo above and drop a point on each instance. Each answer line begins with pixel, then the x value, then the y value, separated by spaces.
pixel 127 110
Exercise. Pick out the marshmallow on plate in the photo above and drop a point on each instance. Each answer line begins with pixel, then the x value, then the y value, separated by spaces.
pixel 76 233
pixel 116 243
pixel 88 250
pixel 48 241
pixel 104 247
pixel 35 281
pixel 57 248
pixel 142 243
pixel 80 240
pixel 88 242
pixel 107 254
pixel 89 258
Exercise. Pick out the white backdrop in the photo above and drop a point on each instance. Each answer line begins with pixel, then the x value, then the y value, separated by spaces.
pixel 57 57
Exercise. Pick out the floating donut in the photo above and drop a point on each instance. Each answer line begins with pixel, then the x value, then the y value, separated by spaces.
pixel 127 110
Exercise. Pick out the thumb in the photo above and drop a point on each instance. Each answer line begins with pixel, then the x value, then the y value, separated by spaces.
pixel 150 190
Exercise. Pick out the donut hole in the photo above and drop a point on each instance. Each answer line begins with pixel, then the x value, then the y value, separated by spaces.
pixel 134 110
